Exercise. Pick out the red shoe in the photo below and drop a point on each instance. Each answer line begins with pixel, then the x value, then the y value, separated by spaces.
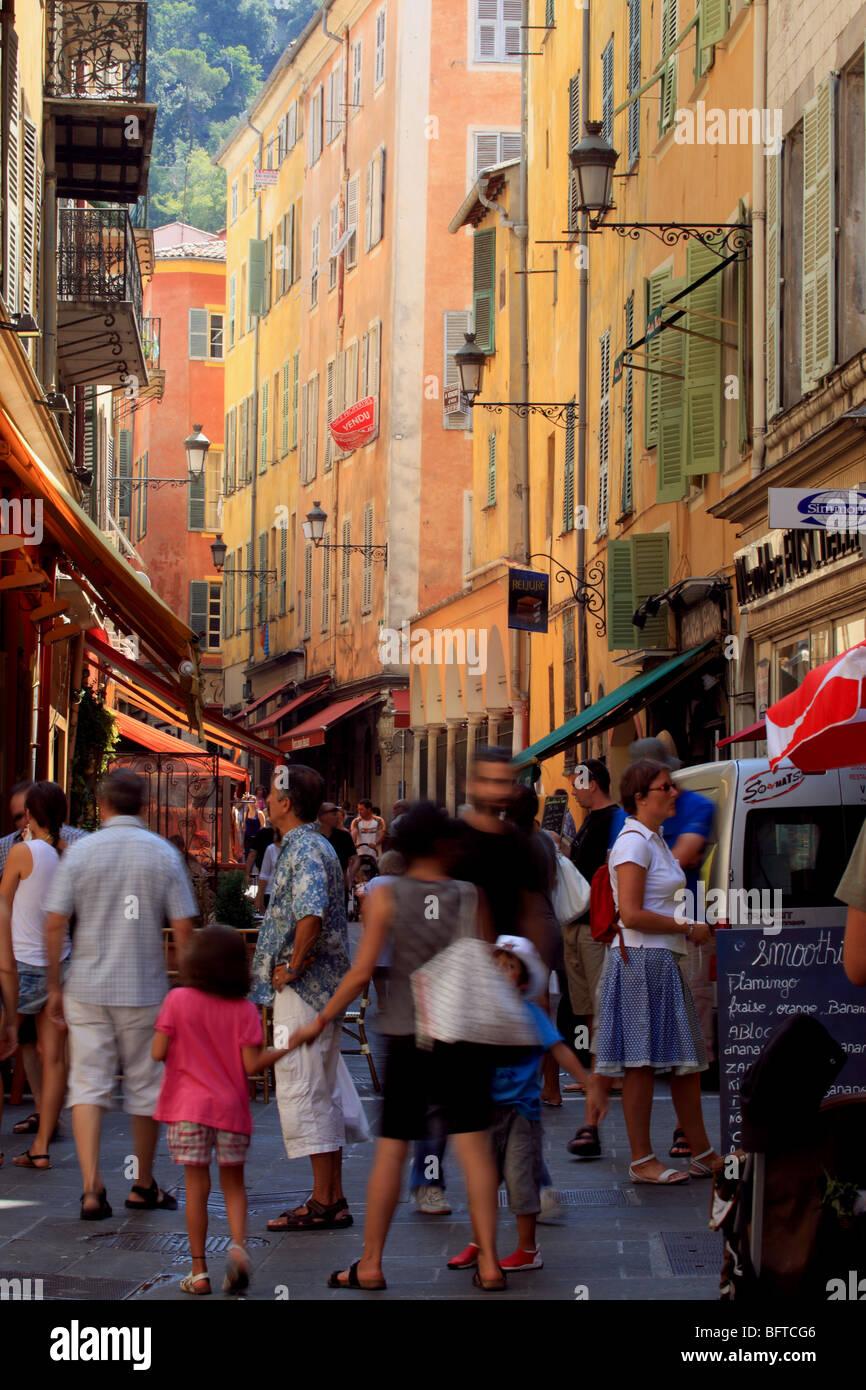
pixel 522 1259
pixel 467 1259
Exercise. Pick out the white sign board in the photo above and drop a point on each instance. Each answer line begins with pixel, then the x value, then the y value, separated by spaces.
pixel 822 509
pixel 451 401
pixel 265 178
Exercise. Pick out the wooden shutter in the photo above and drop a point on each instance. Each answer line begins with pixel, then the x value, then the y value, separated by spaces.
pixel 633 80
pixel 650 576
pixel 296 376
pixel 550 13
pixel 228 606
pixel 607 92
pixel 368 208
pixel 302 456
pixel 198 334
pixel 620 597
pixel 568 473
pixel 29 243
pixel 486 151
pixel 714 22
pixel 314 262
pixel 11 99
pixel 313 427
pixel 656 292
pixel 308 590
pixel 374 349
pixel 330 397
pixel 290 254
pixel 574 111
pixel 232 304
pixel 124 475
pixel 486 30
pixel 292 126
pixel 285 407
pixel 256 278
pixel 196 503
pixel 377 224
pixel 703 365
pixel 491 470
pixel 357 65
pixel 243 442
pixel 458 322
pixel 668 95
pixel 333 241
pixel 350 384
pixel 198 609
pixel 214 472
pixel 284 535
pixel 670 470
pixel 512 18
pixel 367 570
pixel 774 285
pixel 484 288
pixel 819 236
pixel 329 108
pixel 264 418
pixel 268 273
pixel 353 193
pixel 380 48
pixel 365 354
pixel 345 571
pixel 230 455
pixel 262 605
pixel 326 587
pixel 627 496
pixel 248 602
pixel 604 433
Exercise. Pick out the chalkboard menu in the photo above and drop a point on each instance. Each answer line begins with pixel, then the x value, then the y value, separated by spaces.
pixel 555 808
pixel 765 979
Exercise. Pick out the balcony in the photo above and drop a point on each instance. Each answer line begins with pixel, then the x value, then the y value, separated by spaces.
pixel 151 331
pixel 95 90
pixel 99 294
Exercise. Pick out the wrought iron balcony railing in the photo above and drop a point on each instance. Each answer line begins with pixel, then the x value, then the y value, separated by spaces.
pixel 151 330
pixel 96 50
pixel 97 259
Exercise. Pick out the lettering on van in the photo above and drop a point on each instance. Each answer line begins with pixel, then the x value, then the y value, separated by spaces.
pixel 763 786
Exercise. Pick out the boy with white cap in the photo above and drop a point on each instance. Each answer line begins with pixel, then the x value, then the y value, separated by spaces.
pixel 516 1129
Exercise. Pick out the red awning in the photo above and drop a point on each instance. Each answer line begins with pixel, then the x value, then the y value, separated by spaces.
pixel 270 720
pixel 263 699
pixel 750 735
pixel 311 734
pixel 159 742
pixel 401 709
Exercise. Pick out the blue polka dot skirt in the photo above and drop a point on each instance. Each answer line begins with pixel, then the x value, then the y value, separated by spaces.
pixel 648 1016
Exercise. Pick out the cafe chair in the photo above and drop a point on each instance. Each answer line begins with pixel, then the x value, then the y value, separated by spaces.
pixel 356 1017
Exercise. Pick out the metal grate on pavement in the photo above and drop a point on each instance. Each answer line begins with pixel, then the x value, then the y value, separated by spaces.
pixel 71 1286
pixel 257 1201
pixel 694 1252
pixel 166 1243
pixel 583 1197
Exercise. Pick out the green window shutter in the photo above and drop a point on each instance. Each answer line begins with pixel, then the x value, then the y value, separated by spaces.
pixel 607 92
pixel 774 284
pixel 198 605
pixel 703 365
pixel 256 278
pixel 262 581
pixel 263 426
pixel 568 475
pixel 819 239
pixel 670 473
pixel 668 94
pixel 714 22
pixel 248 606
pixel 655 294
pixel 491 470
pixel 232 309
pixel 743 322
pixel 296 372
pixel 196 497
pixel 620 597
pixel 198 334
pixel 550 13
pixel 633 80
pixel 650 576
pixel 627 497
pixel 124 475
pixel 484 288
pixel 574 110
pixel 268 272
pixel 604 433
pixel 284 532
pixel 286 407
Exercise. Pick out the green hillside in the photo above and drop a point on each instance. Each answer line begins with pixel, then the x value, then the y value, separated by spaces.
pixel 202 78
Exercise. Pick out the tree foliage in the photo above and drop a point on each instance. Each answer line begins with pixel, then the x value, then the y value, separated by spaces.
pixel 202 80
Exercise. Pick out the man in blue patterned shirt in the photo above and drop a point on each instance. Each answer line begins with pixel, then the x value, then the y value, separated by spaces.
pixel 302 954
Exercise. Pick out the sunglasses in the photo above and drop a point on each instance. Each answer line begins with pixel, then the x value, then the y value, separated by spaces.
pixel 663 787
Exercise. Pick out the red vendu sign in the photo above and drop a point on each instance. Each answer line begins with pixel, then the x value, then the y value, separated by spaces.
pixel 356 426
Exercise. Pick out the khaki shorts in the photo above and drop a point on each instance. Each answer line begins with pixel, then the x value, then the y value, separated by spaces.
pixel 101 1036
pixel 584 962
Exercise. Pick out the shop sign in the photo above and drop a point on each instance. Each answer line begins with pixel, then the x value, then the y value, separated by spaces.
pixel 809 508
pixel 528 600
pixel 781 558
pixel 451 401
pixel 356 426
pixel 700 623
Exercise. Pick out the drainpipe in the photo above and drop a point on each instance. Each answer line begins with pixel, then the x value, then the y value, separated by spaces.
pixel 582 409
pixel 759 232
pixel 520 229
pixel 254 428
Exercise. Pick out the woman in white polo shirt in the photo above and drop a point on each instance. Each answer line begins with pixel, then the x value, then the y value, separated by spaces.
pixel 648 1022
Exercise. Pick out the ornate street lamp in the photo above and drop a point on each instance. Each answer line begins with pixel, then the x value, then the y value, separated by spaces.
pixel 196 445
pixel 470 361
pixel 593 161
pixel 314 529
pixel 218 550
pixel 470 364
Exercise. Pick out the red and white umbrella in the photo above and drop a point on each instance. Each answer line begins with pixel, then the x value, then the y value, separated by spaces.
pixel 822 724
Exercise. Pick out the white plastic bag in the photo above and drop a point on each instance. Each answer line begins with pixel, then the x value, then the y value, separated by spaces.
pixel 571 892
pixel 346 1095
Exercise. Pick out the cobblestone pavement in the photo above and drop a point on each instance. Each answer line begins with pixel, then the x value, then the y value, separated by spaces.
pixel 614 1240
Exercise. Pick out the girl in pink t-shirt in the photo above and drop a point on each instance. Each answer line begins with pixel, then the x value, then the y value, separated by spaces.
pixel 210 1037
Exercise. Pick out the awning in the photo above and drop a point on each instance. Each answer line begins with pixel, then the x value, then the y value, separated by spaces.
pixel 750 735
pixel 263 699
pixel 401 709
pixel 277 714
pixel 159 742
pixel 133 606
pixel 311 734
pixel 629 698
pixel 215 726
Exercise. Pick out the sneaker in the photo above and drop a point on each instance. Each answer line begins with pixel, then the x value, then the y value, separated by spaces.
pixel 467 1259
pixel 551 1212
pixel 520 1260
pixel 431 1201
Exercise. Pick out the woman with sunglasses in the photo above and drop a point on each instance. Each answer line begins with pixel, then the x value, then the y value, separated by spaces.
pixel 648 1022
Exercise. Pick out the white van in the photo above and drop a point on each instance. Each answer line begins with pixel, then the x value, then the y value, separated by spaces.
pixel 787 831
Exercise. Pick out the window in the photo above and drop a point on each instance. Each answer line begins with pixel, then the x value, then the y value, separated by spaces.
pixel 316 125
pixel 205 334
pixel 350 375
pixel 334 239
pixel 285 407
pixel 345 571
pixel 604 433
pixel 213 489
pixel 233 288
pixel 264 407
pixel 245 189
pixel 607 92
pixel 800 852
pixel 330 389
pixel 367 571
pixel 204 624
pixel 818 318
pixel 379 74
pixel 32 207
pixel 633 81
pixel 231 450
pixel 326 586
pixel 458 322
pixel 229 605
pixel 308 590
pixel 309 429
pixel 357 66
pixel 269 154
pixel 243 442
pixel 292 126
pixel 139 499
pixel 569 683
pixel 248 602
pixel 314 263
pixel 484 288
pixel 296 236
pixel 261 578
pixel 353 194
pixel 573 139
pixel 196 495
pixel 568 474
pixel 258 254
pixel 284 535
pixel 374 207
pixel 668 93
pixel 282 145
pixel 216 336
pixel 497 31
pixel 636 569
pixel 296 370
pixel 334 113
pixel 370 363
pixel 491 470
pixel 234 200
pixel 627 498
pixel 494 147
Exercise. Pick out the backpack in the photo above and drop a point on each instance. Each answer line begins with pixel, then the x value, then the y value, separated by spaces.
pixel 602 908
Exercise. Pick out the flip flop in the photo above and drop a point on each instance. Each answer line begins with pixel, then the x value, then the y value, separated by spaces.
pixel 28 1126
pixel 31 1160
pixel 334 1281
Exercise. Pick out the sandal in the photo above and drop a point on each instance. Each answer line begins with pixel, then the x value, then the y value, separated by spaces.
pixel 680 1148
pixel 585 1143
pixel 28 1126
pixel 188 1283
pixel 353 1282
pixel 489 1285
pixel 237 1271
pixel 697 1168
pixel 100 1213
pixel 151 1200
pixel 317 1217
pixel 670 1177
pixel 40 1162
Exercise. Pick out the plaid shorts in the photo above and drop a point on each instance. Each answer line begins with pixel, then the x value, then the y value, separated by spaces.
pixel 192 1143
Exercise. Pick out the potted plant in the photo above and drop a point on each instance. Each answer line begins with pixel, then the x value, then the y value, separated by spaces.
pixel 232 906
